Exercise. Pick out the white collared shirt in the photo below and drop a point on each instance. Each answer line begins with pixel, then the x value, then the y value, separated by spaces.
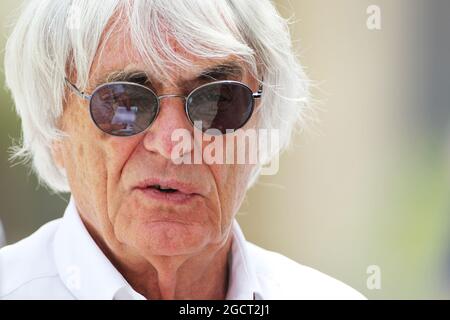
pixel 62 261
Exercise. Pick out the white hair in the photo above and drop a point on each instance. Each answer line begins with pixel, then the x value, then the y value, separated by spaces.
pixel 52 39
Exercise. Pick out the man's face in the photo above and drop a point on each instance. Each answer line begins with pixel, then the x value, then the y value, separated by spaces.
pixel 105 171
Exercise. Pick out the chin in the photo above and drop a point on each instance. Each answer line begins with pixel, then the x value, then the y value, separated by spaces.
pixel 168 238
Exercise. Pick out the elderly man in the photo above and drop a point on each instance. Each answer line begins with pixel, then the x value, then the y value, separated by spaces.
pixel 101 87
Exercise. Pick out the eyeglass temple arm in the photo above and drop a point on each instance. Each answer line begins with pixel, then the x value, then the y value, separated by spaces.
pixel 77 91
pixel 258 94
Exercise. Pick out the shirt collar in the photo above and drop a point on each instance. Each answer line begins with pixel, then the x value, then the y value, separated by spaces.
pixel 88 274
pixel 242 284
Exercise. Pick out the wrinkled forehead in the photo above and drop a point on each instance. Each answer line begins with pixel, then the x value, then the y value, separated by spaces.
pixel 118 57
pixel 170 46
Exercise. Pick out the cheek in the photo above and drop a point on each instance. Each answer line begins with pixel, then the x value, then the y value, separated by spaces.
pixel 85 164
pixel 118 152
pixel 231 182
pixel 94 162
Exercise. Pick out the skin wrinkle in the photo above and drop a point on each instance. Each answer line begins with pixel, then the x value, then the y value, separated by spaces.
pixel 160 260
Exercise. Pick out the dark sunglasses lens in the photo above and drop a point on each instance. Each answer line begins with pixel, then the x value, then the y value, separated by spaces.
pixel 221 106
pixel 123 109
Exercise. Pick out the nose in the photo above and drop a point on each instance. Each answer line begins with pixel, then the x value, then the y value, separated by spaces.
pixel 160 137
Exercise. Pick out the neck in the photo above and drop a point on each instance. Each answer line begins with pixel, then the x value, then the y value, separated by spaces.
pixel 199 277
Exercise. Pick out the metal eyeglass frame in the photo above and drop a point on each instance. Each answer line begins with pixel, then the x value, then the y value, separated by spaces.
pixel 83 95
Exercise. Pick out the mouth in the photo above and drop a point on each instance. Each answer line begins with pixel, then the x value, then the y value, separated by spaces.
pixel 172 191
pixel 163 189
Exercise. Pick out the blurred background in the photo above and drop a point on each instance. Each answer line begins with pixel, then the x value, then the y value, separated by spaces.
pixel 366 186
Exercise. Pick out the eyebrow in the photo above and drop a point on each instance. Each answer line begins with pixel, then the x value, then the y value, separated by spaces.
pixel 135 76
pixel 222 71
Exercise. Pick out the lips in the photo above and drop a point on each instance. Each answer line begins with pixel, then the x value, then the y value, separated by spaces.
pixel 173 191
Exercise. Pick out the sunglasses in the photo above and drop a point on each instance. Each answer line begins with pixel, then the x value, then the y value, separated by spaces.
pixel 126 109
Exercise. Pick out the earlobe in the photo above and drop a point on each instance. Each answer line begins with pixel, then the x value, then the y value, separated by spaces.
pixel 57 154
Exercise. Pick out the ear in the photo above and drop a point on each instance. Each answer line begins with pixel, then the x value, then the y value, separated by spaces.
pixel 57 154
